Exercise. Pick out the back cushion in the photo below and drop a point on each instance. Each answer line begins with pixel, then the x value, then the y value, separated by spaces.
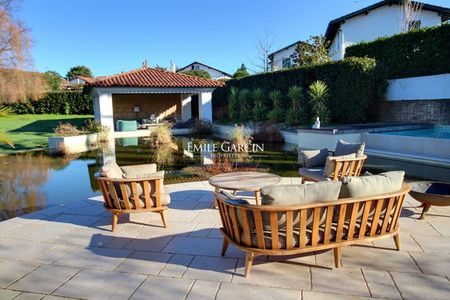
pixel 330 164
pixel 111 170
pixel 285 195
pixel 139 171
pixel 345 148
pixel 362 186
pixel 314 158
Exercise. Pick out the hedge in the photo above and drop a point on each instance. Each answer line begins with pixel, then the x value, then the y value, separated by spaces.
pixel 416 53
pixel 64 102
pixel 353 85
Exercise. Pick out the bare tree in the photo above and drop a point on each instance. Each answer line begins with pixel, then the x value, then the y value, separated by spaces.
pixel 409 14
pixel 16 83
pixel 264 46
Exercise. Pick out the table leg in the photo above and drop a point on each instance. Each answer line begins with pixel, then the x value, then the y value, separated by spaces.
pixel 258 197
pixel 216 190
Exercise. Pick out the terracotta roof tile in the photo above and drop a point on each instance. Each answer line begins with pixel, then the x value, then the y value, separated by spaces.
pixel 148 77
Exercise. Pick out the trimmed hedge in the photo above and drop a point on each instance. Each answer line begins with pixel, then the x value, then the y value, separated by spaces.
pixel 353 85
pixel 64 102
pixel 416 53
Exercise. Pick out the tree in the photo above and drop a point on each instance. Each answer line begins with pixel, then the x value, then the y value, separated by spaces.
pixel 409 14
pixel 318 94
pixel 5 112
pixel 198 73
pixel 16 84
pixel 79 71
pixel 312 51
pixel 264 47
pixel 53 80
pixel 241 72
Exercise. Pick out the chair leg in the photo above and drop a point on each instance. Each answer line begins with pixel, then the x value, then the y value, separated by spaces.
pixel 163 214
pixel 115 218
pixel 337 256
pixel 225 244
pixel 397 241
pixel 426 207
pixel 303 180
pixel 248 263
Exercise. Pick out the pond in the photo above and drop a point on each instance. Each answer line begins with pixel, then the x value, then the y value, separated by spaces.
pixel 34 180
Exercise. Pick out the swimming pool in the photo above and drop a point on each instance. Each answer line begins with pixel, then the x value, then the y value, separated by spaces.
pixel 438 132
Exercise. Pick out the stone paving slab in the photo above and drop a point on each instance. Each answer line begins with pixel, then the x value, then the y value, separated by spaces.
pixel 69 251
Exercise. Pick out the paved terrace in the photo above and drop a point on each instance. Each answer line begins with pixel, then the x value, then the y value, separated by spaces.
pixel 70 252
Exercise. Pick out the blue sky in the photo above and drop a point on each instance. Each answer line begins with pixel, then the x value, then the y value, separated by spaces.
pixel 111 36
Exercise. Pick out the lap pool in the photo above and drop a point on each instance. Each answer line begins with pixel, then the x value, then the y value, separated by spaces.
pixel 438 132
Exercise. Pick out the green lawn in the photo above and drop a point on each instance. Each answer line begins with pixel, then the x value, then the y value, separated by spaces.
pixel 31 131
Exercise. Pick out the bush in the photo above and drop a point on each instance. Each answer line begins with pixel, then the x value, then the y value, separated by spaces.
pixel 95 127
pixel 277 112
pixel 295 113
pixel 353 85
pixel 67 129
pixel 233 104
pixel 415 53
pixel 318 94
pixel 259 110
pixel 64 102
pixel 245 107
pixel 269 133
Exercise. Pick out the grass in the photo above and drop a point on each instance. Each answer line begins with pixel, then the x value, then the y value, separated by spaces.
pixel 30 132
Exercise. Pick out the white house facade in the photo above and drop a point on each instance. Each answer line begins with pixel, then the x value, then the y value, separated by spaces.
pixel 80 80
pixel 375 21
pixel 213 72
pixel 378 20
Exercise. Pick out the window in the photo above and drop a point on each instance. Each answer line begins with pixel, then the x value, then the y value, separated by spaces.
pixel 414 25
pixel 286 63
pixel 195 67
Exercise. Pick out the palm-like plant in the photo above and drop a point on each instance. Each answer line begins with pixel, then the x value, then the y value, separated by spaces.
pixel 295 112
pixel 233 104
pixel 245 101
pixel 5 112
pixel 318 94
pixel 276 114
pixel 259 110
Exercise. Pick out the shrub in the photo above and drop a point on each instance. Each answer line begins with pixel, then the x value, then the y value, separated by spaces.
pixel 295 112
pixel 259 110
pixel 245 107
pixel 202 127
pixel 353 83
pixel 416 53
pixel 95 127
pixel 162 135
pixel 64 102
pixel 268 133
pixel 239 138
pixel 67 129
pixel 318 95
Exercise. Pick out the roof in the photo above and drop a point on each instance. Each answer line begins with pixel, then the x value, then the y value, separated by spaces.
pixel 333 26
pixel 270 56
pixel 148 77
pixel 197 62
pixel 85 78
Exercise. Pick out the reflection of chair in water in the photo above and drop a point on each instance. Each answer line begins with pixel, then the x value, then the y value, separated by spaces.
pixel 128 141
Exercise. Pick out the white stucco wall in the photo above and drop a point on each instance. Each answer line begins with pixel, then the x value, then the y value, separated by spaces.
pixel 277 60
pixel 214 73
pixel 186 107
pixel 205 106
pixel 432 87
pixel 383 21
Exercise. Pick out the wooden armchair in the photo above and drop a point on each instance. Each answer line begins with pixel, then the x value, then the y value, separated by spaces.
pixel 133 196
pixel 343 167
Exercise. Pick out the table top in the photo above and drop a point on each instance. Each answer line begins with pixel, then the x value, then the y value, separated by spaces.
pixel 243 181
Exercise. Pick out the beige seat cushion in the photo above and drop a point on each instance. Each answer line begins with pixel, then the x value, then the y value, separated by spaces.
pixel 111 170
pixel 345 148
pixel 331 164
pixel 313 173
pixel 314 158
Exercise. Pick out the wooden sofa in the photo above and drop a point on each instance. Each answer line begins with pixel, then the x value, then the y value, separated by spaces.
pixel 256 229
pixel 134 195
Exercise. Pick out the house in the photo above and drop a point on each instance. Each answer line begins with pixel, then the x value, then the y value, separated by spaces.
pixel 137 94
pixel 80 80
pixel 380 19
pixel 215 73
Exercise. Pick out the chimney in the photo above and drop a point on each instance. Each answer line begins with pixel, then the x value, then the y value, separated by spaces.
pixel 173 67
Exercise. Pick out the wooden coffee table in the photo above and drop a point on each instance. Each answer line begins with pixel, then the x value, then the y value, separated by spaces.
pixel 244 181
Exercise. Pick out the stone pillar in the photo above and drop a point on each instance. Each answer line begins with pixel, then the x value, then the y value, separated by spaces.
pixel 103 110
pixel 205 106
pixel 186 108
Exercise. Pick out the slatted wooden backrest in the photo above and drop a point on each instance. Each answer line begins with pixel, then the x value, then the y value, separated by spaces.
pixel 348 167
pixel 123 194
pixel 332 222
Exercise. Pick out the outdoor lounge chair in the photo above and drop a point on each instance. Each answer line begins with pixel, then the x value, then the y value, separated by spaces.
pixel 347 160
pixel 133 189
